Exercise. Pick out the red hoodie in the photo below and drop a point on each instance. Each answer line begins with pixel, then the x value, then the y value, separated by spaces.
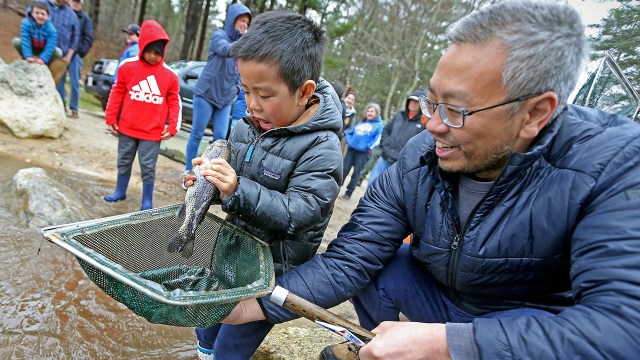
pixel 148 95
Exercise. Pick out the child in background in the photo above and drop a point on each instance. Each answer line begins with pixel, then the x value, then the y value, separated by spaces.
pixel 38 36
pixel 361 140
pixel 142 101
pixel 285 167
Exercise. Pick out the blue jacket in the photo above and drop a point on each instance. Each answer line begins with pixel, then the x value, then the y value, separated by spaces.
pixel 85 41
pixel 36 37
pixel 220 80
pixel 288 179
pixel 130 51
pixel 558 231
pixel 365 135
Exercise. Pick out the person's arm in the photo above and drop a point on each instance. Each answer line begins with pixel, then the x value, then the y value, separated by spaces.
pixel 311 191
pixel 50 46
pixel 386 132
pixel 116 98
pixel 75 37
pixel 25 39
pixel 219 44
pixel 86 40
pixel 174 104
pixel 374 138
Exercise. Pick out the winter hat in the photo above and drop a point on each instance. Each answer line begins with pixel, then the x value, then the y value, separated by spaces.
pixel 157 46
pixel 132 29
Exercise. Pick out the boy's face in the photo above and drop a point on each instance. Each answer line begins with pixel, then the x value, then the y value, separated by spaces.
pixel 268 97
pixel 152 57
pixel 40 15
pixel 131 38
pixel 242 23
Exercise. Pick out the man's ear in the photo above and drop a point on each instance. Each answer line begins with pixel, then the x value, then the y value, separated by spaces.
pixel 538 113
pixel 306 92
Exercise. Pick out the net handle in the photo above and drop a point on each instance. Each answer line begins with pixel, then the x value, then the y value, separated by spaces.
pixel 313 312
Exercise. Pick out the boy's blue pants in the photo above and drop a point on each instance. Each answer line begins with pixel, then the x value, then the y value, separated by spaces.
pixel 404 286
pixel 235 342
pixel 203 111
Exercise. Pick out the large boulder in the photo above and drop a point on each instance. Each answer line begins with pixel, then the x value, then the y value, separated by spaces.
pixel 41 201
pixel 30 106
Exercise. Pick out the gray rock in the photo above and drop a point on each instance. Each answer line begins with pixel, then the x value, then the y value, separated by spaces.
pixel 41 201
pixel 30 106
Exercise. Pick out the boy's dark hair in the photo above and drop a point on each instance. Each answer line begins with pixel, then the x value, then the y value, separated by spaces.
pixel 290 41
pixel 40 5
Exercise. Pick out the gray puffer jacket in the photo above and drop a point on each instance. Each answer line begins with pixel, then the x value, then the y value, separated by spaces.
pixel 288 180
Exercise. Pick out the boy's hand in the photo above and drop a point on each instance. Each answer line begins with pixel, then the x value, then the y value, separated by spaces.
pixel 166 135
pixel 114 128
pixel 40 61
pixel 221 174
pixel 30 59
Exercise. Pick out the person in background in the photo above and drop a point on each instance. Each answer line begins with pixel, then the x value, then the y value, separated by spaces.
pixel 524 211
pixel 285 168
pixel 403 126
pixel 361 140
pixel 37 41
pixel 143 109
pixel 349 117
pixel 132 35
pixel 84 44
pixel 67 26
pixel 218 85
pixel 238 110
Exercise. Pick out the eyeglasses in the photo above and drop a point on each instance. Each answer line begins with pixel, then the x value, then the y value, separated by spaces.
pixel 453 115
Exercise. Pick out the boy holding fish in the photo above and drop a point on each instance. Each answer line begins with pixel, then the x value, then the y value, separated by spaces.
pixel 286 165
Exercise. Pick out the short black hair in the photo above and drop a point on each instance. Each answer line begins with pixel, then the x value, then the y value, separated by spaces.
pixel 292 42
pixel 40 5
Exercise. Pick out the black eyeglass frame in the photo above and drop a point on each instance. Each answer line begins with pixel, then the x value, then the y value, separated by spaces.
pixel 425 101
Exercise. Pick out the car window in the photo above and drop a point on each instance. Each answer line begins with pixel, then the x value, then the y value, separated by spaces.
pixel 110 67
pixel 198 70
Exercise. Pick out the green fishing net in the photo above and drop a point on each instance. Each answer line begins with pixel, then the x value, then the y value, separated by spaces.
pixel 126 256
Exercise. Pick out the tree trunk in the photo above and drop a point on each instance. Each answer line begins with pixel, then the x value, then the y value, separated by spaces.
pixel 194 10
pixel 95 13
pixel 143 10
pixel 203 30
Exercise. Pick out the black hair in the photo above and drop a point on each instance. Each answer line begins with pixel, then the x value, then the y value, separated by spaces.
pixel 292 42
pixel 40 5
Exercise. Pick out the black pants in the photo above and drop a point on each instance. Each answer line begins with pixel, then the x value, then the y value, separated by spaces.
pixel 357 160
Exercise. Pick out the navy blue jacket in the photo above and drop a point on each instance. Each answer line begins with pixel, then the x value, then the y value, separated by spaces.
pixel 85 41
pixel 219 81
pixel 558 231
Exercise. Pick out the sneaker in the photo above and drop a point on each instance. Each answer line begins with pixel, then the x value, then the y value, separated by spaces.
pixel 74 114
pixel 204 354
pixel 343 351
pixel 346 196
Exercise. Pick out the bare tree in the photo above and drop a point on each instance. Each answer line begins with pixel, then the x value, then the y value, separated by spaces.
pixel 143 10
pixel 203 30
pixel 194 11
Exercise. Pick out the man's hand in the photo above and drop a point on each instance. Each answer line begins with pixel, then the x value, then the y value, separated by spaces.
pixel 246 311
pixel 407 340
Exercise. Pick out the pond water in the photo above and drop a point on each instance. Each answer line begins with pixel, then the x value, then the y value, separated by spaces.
pixel 49 309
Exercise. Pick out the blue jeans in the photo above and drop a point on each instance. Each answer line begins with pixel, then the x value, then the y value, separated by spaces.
pixel 237 342
pixel 203 112
pixel 357 160
pixel 75 66
pixel 405 286
pixel 380 166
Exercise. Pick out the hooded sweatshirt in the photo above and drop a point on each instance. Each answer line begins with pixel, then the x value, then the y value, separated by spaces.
pixel 219 82
pixel 39 38
pixel 145 96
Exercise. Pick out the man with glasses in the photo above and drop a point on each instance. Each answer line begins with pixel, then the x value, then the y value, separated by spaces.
pixel 525 211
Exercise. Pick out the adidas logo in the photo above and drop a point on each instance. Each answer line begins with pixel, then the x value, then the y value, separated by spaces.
pixel 147 91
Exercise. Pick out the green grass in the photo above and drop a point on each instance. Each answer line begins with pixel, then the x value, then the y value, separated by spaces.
pixel 87 101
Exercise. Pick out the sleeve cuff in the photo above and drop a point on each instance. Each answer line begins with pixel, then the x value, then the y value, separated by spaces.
pixel 461 342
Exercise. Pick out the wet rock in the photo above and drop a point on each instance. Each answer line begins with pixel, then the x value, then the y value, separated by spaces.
pixel 30 106
pixel 41 201
pixel 295 343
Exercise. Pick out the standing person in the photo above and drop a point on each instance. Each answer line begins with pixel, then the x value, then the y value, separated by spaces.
pixel 403 126
pixel 218 85
pixel 68 29
pixel 143 109
pixel 37 41
pixel 361 140
pixel 131 50
pixel 84 44
pixel 285 169
pixel 348 118
pixel 524 211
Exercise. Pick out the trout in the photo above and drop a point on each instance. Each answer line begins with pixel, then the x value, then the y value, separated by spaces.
pixel 197 201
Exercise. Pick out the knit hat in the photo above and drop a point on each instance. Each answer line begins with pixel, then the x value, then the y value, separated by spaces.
pixel 157 46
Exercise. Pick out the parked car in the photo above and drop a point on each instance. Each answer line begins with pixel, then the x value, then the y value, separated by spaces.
pixel 100 80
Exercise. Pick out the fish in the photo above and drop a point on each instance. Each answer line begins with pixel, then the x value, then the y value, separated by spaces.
pixel 197 201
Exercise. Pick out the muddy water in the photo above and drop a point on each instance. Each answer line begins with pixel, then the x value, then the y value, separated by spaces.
pixel 48 307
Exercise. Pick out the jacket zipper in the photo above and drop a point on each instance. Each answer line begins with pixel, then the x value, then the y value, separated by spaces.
pixel 249 153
